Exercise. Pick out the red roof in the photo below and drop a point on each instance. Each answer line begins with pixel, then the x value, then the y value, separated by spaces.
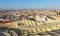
pixel 5 21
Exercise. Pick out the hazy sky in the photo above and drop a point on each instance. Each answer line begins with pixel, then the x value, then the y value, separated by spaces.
pixel 29 4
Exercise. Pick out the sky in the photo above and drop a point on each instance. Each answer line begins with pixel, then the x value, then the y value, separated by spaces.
pixel 29 4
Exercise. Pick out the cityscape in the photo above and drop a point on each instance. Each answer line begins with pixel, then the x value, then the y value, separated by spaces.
pixel 29 18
